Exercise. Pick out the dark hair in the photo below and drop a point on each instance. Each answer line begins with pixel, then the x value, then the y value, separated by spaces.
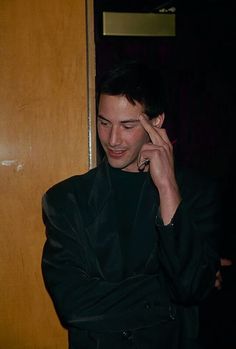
pixel 138 82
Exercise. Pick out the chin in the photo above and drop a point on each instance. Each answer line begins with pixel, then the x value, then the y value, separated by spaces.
pixel 116 164
pixel 123 166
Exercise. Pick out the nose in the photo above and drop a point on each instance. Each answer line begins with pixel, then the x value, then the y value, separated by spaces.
pixel 115 136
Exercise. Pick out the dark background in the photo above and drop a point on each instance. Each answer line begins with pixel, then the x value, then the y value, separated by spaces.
pixel 199 67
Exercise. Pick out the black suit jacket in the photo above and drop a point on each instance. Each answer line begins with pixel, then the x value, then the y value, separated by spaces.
pixel 155 306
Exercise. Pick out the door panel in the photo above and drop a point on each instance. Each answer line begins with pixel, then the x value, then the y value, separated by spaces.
pixel 43 139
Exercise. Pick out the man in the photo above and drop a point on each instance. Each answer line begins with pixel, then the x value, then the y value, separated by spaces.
pixel 132 245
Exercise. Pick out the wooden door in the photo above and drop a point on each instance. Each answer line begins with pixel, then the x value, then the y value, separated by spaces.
pixel 45 137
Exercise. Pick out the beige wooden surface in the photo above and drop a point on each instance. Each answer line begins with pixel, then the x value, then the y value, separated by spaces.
pixel 43 139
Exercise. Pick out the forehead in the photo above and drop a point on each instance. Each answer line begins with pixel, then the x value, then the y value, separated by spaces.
pixel 118 107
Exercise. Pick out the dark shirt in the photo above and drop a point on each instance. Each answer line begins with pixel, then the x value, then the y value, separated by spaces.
pixel 127 187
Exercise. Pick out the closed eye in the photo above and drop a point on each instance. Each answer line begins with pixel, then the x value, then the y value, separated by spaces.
pixel 128 126
pixel 103 122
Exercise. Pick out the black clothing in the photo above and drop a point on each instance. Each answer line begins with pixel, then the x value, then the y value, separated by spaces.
pixel 126 188
pixel 155 305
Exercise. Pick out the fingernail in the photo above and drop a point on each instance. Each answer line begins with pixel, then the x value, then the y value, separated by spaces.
pixel 143 164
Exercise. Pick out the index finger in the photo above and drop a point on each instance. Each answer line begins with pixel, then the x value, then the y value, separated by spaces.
pixel 153 133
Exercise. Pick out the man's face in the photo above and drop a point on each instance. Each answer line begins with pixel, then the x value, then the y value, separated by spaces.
pixel 120 131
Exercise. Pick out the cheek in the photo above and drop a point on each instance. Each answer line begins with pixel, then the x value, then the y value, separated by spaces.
pixel 102 134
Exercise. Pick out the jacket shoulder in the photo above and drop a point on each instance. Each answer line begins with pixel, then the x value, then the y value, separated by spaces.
pixel 60 192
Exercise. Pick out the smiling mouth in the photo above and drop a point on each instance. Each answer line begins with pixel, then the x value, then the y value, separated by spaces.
pixel 116 153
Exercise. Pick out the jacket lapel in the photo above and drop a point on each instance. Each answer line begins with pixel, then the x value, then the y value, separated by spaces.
pixel 102 231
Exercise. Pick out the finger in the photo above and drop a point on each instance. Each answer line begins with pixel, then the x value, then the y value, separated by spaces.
pixel 145 155
pixel 219 276
pixel 218 280
pixel 164 136
pixel 218 285
pixel 143 164
pixel 152 131
pixel 147 152
pixel 157 135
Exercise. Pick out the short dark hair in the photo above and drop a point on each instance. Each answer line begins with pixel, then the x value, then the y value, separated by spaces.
pixel 138 82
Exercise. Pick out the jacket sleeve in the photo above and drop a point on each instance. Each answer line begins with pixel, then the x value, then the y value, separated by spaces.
pixel 189 245
pixel 88 302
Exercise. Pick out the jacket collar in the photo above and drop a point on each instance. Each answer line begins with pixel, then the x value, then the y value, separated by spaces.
pixel 101 189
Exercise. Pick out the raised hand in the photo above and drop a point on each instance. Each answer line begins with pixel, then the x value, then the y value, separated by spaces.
pixel 158 153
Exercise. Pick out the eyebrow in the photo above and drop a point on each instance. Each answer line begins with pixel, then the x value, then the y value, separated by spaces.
pixel 122 122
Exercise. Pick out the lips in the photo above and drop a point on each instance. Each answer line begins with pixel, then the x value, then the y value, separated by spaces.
pixel 116 154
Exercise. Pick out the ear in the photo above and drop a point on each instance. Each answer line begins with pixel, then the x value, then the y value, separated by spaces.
pixel 158 120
